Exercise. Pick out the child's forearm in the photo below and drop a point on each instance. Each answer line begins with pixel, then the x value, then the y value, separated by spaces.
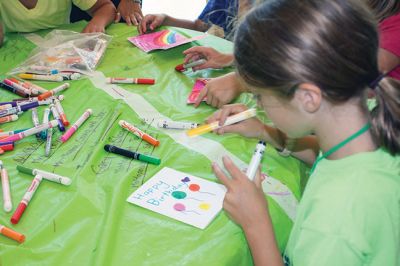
pixel 305 149
pixel 261 240
pixel 103 13
pixel 187 24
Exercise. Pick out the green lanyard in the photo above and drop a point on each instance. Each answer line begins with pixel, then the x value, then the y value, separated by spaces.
pixel 340 145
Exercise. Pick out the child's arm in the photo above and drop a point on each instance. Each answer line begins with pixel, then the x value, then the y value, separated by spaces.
pixel 103 13
pixel 153 21
pixel 305 148
pixel 130 11
pixel 246 205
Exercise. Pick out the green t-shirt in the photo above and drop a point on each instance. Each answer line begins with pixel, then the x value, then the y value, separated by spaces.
pixel 349 213
pixel 47 14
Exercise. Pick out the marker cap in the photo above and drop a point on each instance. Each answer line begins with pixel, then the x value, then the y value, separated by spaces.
pixel 180 68
pixel 18 213
pixel 25 170
pixel 149 159
pixel 12 234
pixel 151 140
pixel 146 81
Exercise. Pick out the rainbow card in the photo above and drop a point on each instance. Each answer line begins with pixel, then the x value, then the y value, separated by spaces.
pixel 197 87
pixel 181 196
pixel 161 40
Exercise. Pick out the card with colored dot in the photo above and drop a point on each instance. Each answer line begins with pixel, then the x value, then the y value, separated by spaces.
pixel 181 196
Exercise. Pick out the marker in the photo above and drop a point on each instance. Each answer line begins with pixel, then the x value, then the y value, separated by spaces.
pixel 133 155
pixel 60 111
pixel 255 160
pixel 34 89
pixel 41 77
pixel 229 121
pixel 26 199
pixel 48 70
pixel 184 67
pixel 6 146
pixel 57 117
pixel 130 81
pixel 35 119
pixel 12 234
pixel 75 126
pixel 48 142
pixel 13 104
pixel 139 133
pixel 50 93
pixel 6 106
pixel 9 133
pixel 46 116
pixel 5 184
pixel 8 118
pixel 17 86
pixel 31 131
pixel 176 125
pixel 70 76
pixel 18 109
pixel 10 111
pixel 46 175
pixel 9 88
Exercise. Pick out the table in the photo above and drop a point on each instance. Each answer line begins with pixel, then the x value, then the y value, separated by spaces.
pixel 90 222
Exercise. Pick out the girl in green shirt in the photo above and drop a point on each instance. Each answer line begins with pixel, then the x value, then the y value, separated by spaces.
pixel 310 64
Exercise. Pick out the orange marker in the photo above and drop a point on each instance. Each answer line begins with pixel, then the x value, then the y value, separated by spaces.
pixel 139 133
pixel 50 93
pixel 12 234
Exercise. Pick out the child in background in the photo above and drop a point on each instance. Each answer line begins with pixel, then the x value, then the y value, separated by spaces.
pixel 311 73
pixel 388 14
pixel 33 15
pixel 222 13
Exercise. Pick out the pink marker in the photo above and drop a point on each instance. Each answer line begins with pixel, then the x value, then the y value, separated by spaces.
pixel 75 126
pixel 6 188
pixel 130 81
pixel 31 131
pixel 26 199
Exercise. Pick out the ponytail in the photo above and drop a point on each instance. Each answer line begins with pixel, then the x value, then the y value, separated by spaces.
pixel 385 117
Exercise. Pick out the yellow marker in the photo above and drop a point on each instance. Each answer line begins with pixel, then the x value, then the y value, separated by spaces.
pixel 229 121
pixel 41 77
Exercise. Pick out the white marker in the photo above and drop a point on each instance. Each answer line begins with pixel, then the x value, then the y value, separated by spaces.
pixel 46 175
pixel 255 160
pixel 176 125
pixel 48 141
pixel 6 189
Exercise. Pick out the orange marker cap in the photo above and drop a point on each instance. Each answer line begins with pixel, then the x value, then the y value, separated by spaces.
pixel 45 95
pixel 151 140
pixel 13 234
pixel 64 120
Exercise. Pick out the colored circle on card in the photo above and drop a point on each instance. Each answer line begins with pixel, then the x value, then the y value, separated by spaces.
pixel 204 206
pixel 194 187
pixel 179 194
pixel 186 179
pixel 179 207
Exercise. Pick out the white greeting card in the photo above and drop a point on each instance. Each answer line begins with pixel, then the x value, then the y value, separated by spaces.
pixel 181 196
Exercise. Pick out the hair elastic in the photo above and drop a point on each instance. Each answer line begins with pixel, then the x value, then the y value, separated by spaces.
pixel 376 81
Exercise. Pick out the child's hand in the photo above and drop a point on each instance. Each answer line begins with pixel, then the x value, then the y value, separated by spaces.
pixel 214 58
pixel 151 21
pixel 93 26
pixel 244 200
pixel 220 91
pixel 130 11
pixel 251 128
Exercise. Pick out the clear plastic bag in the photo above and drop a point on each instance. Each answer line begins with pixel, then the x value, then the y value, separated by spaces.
pixel 66 51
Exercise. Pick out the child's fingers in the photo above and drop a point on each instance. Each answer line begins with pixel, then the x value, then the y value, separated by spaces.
pixel 201 96
pixel 221 175
pixel 128 20
pixel 233 170
pixel 133 19
pixel 117 17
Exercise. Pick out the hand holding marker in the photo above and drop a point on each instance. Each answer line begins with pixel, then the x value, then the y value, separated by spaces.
pixel 229 121
pixel 255 160
pixel 184 67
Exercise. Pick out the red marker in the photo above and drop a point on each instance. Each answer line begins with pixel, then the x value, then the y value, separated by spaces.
pixel 184 67
pixel 130 81
pixel 25 199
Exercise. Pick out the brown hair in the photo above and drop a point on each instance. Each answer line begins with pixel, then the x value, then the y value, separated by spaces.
pixel 383 8
pixel 330 43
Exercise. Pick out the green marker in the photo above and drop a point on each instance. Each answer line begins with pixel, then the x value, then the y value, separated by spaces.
pixel 46 175
pixel 131 154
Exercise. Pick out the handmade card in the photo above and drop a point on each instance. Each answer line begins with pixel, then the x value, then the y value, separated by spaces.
pixel 161 40
pixel 197 87
pixel 181 196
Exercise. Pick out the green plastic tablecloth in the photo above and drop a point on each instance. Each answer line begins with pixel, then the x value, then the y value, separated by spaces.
pixel 90 222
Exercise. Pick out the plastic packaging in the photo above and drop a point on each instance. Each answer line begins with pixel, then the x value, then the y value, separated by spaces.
pixel 65 52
